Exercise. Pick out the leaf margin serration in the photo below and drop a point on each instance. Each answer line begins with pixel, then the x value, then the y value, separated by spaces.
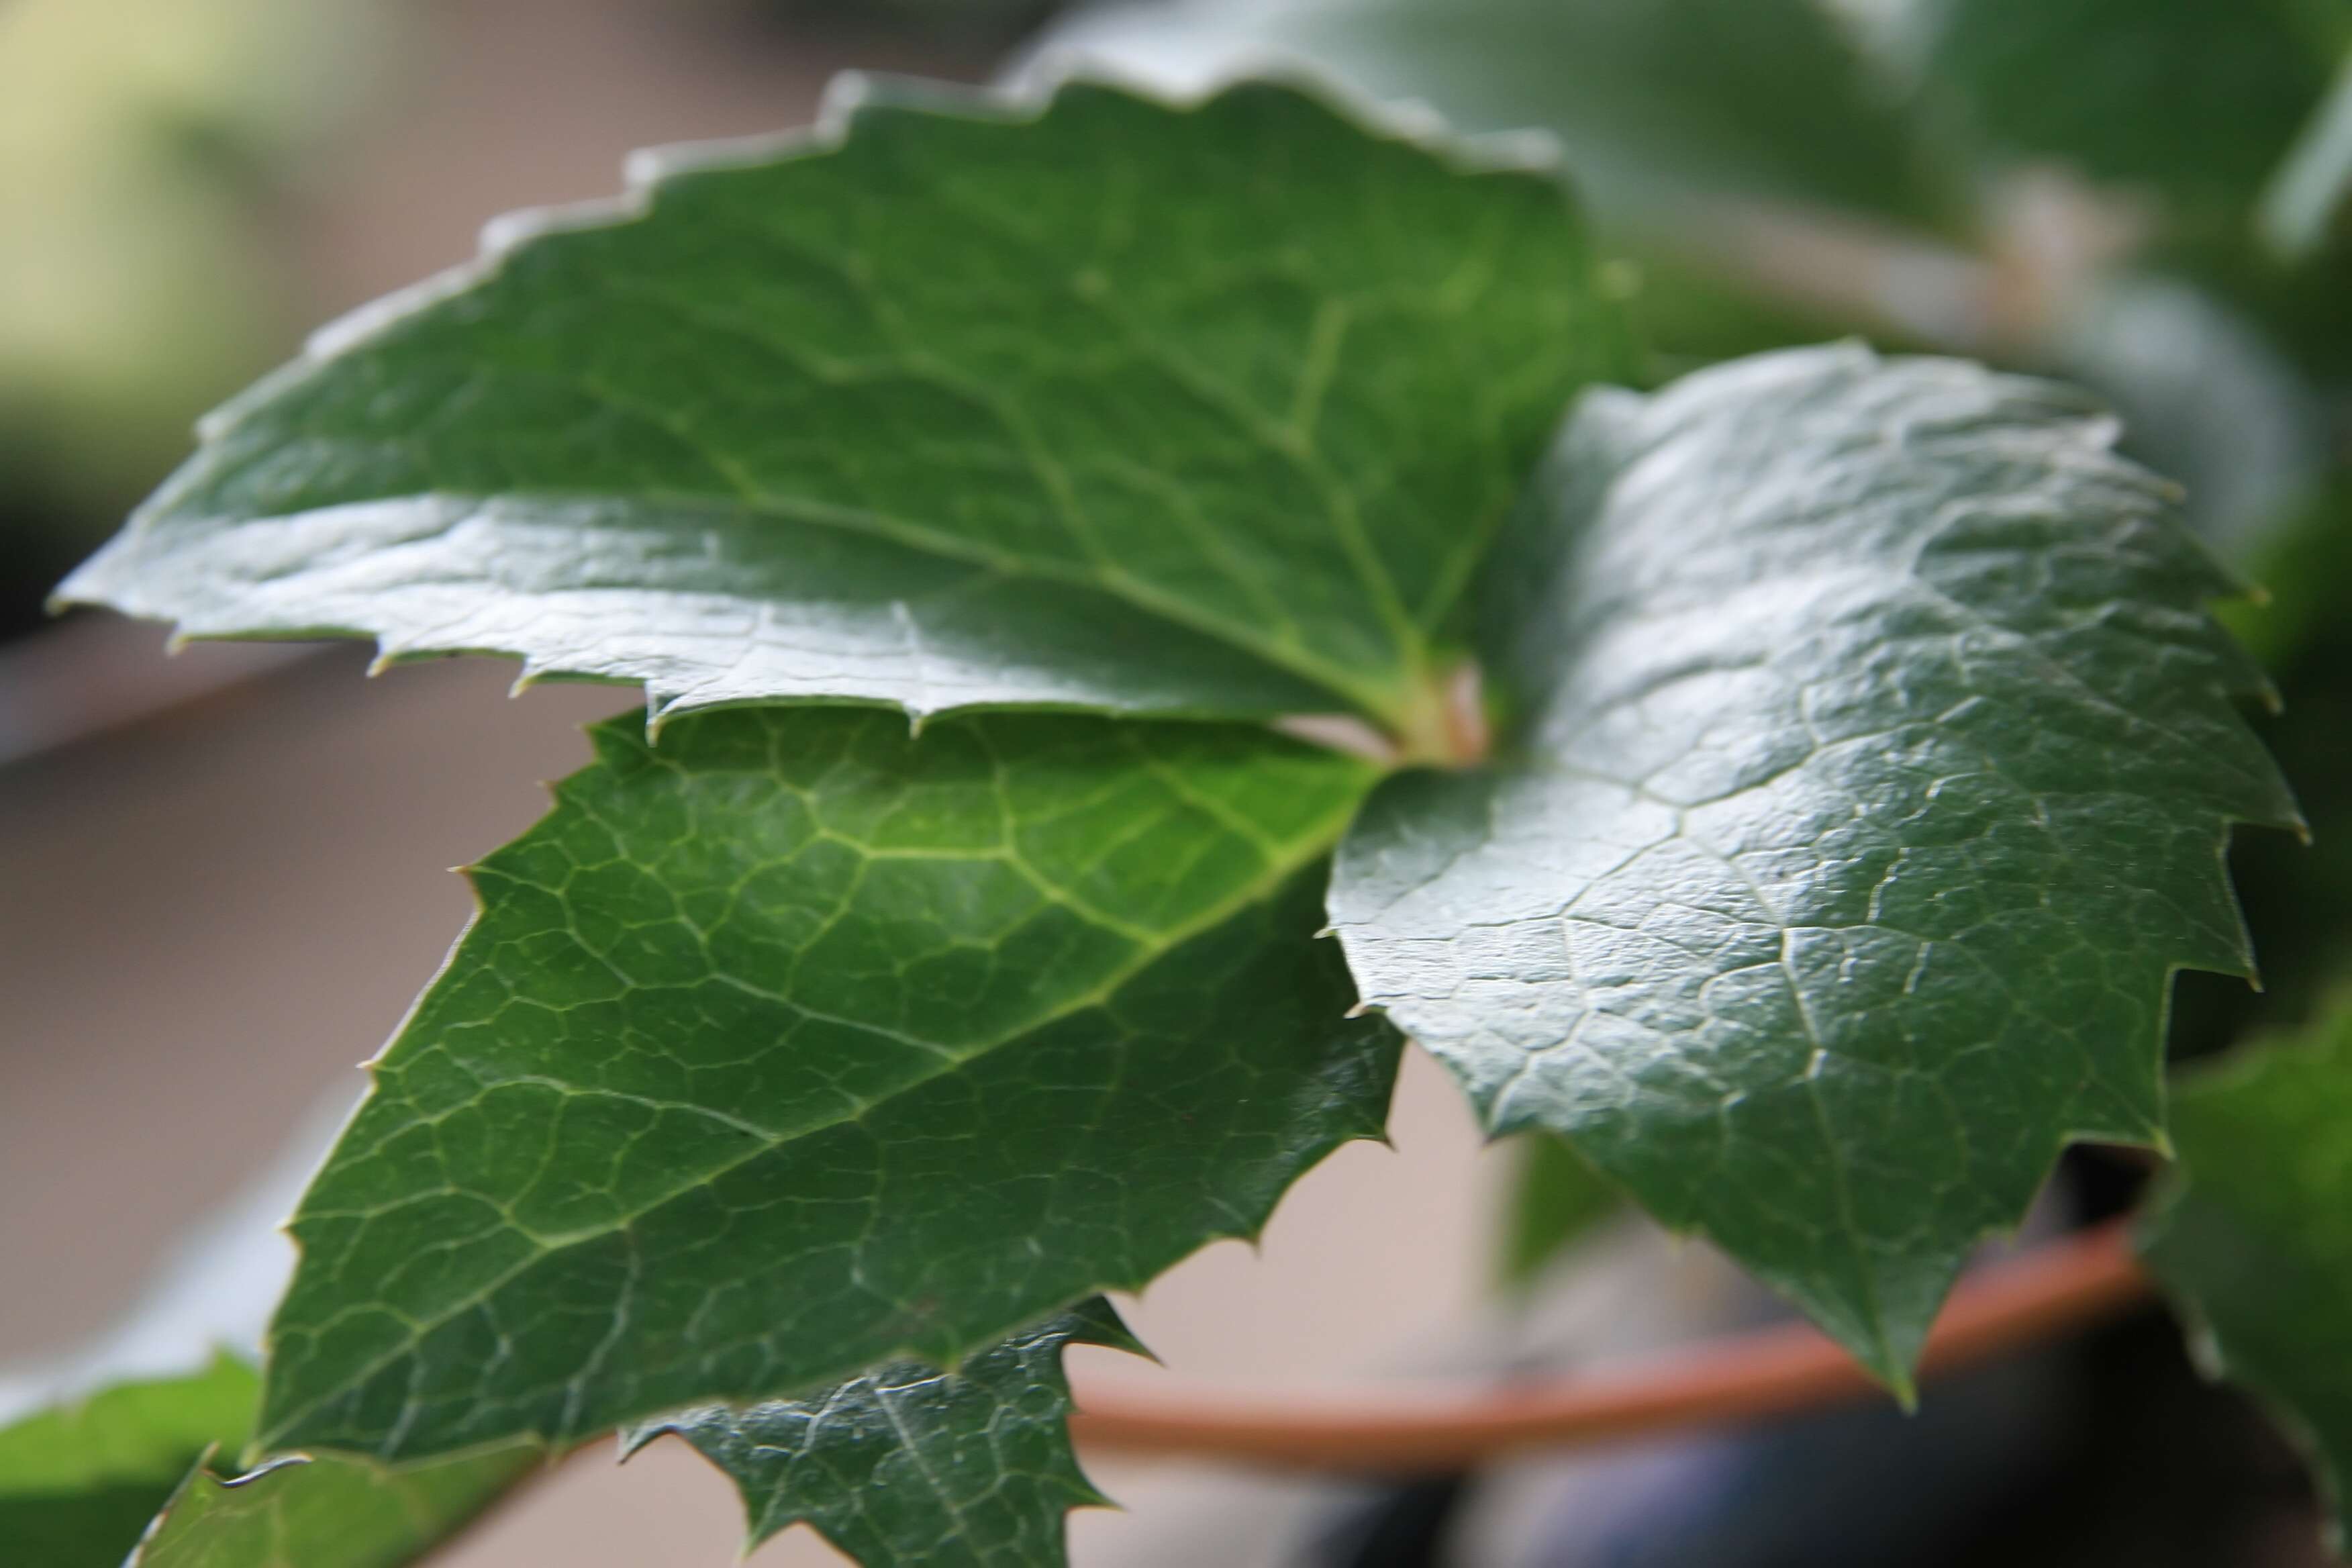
pixel 1355 1093
pixel 110 577
pixel 1887 1354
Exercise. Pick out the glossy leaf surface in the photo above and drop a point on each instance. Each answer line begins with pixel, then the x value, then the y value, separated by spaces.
pixel 968 1469
pixel 801 1044
pixel 1101 403
pixel 1879 765
pixel 2255 1243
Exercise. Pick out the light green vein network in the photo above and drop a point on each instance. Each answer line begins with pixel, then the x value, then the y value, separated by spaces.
pixel 800 1043
pixel 1096 403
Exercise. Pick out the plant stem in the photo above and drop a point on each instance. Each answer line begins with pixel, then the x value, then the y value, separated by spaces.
pixel 2059 1287
pixel 1445 725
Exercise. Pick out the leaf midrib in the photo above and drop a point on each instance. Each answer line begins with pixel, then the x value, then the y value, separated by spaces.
pixel 1383 703
pixel 1288 442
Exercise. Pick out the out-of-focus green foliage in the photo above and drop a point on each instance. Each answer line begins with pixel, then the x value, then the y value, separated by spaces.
pixel 2305 198
pixel 1871 787
pixel 963 1468
pixel 2206 399
pixel 2194 101
pixel 136 138
pixel 2294 893
pixel 80 1478
pixel 1654 99
pixel 2255 1236
pixel 1556 1199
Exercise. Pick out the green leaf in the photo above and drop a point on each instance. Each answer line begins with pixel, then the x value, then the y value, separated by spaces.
pixel 2293 892
pixel 968 1469
pixel 2254 1239
pixel 1879 768
pixel 2195 100
pixel 2305 198
pixel 1654 99
pixel 2206 399
pixel 82 1483
pixel 81 1478
pixel 800 1045
pixel 2303 568
pixel 1556 1198
pixel 1102 403
pixel 331 1511
pixel 132 1422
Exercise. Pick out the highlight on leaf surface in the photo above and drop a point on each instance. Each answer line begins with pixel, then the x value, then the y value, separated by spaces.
pixel 798 1043
pixel 969 1466
pixel 2253 1235
pixel 1878 764
pixel 964 402
pixel 1874 761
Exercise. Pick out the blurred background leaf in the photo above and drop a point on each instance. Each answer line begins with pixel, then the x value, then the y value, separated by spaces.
pixel 79 1479
pixel 1652 100
pixel 1555 1200
pixel 141 145
pixel 2304 199
pixel 2194 102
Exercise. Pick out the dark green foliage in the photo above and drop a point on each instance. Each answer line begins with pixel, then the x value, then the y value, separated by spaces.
pixel 802 1042
pixel 1752 97
pixel 964 1468
pixel 2195 100
pixel 2255 1238
pixel 961 409
pixel 1879 767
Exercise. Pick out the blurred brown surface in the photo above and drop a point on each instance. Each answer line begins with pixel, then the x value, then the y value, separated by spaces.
pixel 498 104
pixel 209 920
